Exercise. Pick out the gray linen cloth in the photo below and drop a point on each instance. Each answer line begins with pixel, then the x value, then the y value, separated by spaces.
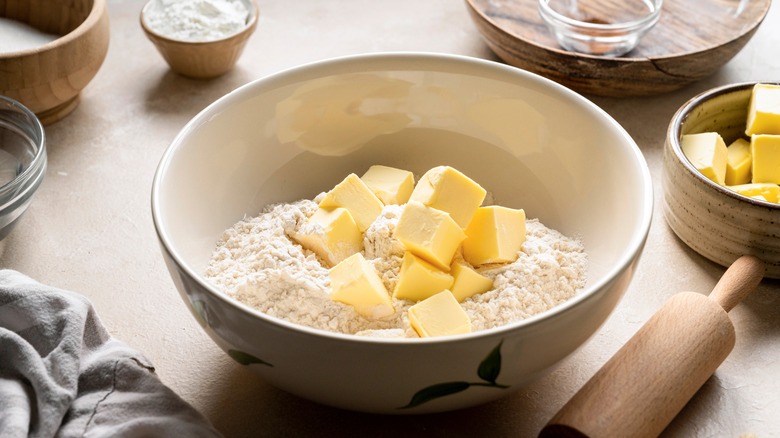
pixel 63 375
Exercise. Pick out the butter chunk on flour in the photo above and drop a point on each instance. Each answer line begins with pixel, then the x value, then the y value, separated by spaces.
pixel 418 279
pixel 332 234
pixel 495 235
pixel 467 281
pixel 355 282
pixel 439 315
pixel 447 189
pixel 429 233
pixel 353 194
pixel 390 185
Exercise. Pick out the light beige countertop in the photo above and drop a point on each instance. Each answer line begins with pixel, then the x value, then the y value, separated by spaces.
pixel 89 229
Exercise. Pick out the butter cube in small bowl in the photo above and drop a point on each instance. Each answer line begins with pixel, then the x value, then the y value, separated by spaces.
pixel 718 205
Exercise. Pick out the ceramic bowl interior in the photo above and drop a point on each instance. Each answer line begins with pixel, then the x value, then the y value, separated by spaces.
pixel 532 143
pixel 714 221
pixel 48 79
pixel 200 59
pixel 22 161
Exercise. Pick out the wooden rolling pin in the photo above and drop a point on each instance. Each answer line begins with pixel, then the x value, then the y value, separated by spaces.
pixel 639 391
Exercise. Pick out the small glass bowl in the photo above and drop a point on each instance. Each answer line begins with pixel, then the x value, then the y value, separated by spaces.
pixel 22 161
pixel 608 28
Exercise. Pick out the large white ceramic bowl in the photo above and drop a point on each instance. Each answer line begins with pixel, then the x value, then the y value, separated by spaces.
pixel 534 144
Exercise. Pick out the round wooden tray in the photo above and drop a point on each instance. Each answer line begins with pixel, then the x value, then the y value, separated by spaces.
pixel 692 39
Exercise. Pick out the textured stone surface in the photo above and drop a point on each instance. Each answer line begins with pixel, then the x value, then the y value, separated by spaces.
pixel 89 229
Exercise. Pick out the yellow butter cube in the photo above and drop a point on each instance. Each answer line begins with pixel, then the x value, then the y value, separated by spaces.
pixel 429 233
pixel 768 191
pixel 356 283
pixel 332 234
pixel 738 162
pixel 439 315
pixel 390 185
pixel 765 150
pixel 467 281
pixel 354 195
pixel 418 279
pixel 764 110
pixel 446 189
pixel 495 235
pixel 707 152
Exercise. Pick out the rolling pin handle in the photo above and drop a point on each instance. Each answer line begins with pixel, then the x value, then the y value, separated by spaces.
pixel 649 380
pixel 738 282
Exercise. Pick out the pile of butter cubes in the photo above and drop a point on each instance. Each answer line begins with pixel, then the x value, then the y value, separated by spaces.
pixel 442 217
pixel 748 167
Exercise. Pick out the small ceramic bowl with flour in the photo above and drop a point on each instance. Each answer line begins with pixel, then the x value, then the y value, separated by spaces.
pixel 200 39
pixel 244 175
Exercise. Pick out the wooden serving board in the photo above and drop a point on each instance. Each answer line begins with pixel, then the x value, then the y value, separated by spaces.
pixel 692 39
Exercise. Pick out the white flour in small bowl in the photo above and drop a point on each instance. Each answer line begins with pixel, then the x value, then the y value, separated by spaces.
pixel 197 20
pixel 257 263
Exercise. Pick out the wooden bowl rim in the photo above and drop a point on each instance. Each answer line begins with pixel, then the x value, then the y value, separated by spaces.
pixel 675 131
pixel 254 13
pixel 98 9
pixel 615 60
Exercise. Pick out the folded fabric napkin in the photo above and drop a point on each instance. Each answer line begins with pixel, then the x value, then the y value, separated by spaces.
pixel 62 374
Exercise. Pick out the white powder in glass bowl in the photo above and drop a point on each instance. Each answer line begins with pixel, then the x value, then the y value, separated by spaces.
pixel 257 263
pixel 196 20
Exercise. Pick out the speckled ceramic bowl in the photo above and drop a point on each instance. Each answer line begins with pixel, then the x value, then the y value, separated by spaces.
pixel 714 221
pixel 534 144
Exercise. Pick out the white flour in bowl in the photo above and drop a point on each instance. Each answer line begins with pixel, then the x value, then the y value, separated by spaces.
pixel 258 264
pixel 18 36
pixel 197 20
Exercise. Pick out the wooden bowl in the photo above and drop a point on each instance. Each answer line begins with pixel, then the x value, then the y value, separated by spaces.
pixel 714 221
pixel 48 79
pixel 202 59
pixel 692 39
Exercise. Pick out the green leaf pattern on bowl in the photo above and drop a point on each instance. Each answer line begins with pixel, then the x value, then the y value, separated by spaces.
pixel 199 311
pixel 246 358
pixel 490 367
pixel 488 371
